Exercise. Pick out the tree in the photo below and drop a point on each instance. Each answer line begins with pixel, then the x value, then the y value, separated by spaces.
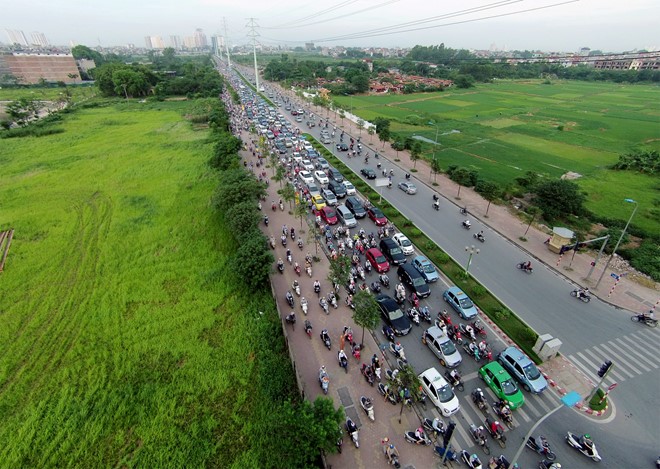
pixel 300 211
pixel 435 168
pixel 252 261
pixel 360 125
pixel 415 153
pixel 342 114
pixel 464 81
pixel 489 191
pixel 235 186
pixel 385 136
pixel 242 217
pixel 288 193
pixel 84 52
pixel 559 197
pixel 225 152
pixel 130 83
pixel 371 131
pixel 280 173
pixel 340 270
pixel 381 124
pixel 408 380
pixel 367 311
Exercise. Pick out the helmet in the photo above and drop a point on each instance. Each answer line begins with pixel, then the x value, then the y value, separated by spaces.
pixel 398 343
pixel 587 436
pixel 506 407
pixel 392 446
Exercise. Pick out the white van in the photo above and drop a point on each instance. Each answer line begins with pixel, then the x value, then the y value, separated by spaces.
pixel 346 216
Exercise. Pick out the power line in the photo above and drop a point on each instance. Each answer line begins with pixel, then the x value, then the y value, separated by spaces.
pixel 314 15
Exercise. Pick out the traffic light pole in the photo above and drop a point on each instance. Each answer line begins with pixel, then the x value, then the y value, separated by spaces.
pixel 446 440
pixel 600 383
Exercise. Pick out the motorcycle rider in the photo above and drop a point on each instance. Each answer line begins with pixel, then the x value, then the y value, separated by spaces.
pixel 391 453
pixel 648 316
pixel 436 204
pixel 280 264
pixel 389 332
pixel 455 375
pixel 398 348
pixel 317 287
pixel 325 337
pixel 419 435
pixel 582 292
pixel 504 410
pixel 342 356
pixel 587 444
pixel 467 224
pixel 527 265
pixel 480 235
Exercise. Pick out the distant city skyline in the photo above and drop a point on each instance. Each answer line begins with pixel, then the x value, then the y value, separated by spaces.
pixel 546 25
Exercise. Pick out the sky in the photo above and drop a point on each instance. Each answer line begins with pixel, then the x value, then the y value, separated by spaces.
pixel 608 25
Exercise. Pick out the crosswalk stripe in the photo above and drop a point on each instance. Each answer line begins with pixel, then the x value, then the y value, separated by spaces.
pixel 642 348
pixel 529 407
pixel 622 364
pixel 541 402
pixel 589 372
pixel 652 340
pixel 626 360
pixel 613 371
pixel 641 357
pixel 519 411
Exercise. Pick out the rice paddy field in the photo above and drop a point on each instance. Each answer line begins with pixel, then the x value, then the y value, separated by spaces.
pixel 509 127
pixel 122 342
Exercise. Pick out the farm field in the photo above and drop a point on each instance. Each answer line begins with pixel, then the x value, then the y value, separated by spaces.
pixel 122 343
pixel 510 127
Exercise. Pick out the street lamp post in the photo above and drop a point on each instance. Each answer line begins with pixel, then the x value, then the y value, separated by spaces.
pixel 623 233
pixel 472 251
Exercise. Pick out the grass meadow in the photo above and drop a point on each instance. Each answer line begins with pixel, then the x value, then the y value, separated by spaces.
pixel 122 343
pixel 510 127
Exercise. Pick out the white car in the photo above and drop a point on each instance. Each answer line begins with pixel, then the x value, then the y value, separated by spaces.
pixel 308 165
pixel 439 392
pixel 405 244
pixel 321 177
pixel 350 188
pixel 308 146
pixel 306 177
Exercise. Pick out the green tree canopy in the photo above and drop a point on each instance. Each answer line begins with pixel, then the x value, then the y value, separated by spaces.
pixel 367 311
pixel 559 197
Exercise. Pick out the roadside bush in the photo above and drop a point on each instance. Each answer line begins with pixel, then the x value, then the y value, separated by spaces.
pixel 502 314
pixel 479 291
pixel 645 258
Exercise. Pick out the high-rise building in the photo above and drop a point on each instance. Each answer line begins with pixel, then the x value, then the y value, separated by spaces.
pixel 176 42
pixel 147 42
pixel 39 39
pixel 154 42
pixel 17 37
pixel 217 44
pixel 200 38
pixel 189 42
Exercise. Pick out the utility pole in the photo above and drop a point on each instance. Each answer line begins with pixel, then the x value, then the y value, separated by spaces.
pixel 254 34
pixel 224 22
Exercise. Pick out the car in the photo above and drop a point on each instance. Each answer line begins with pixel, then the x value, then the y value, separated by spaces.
pixel 328 215
pixel 347 217
pixel 337 188
pixel 442 347
pixel 426 268
pixel 350 188
pixel 325 139
pixel 299 118
pixel 377 260
pixel 439 392
pixel 308 146
pixel 355 206
pixel 306 177
pixel 393 315
pixel 413 280
pixel 523 369
pixel 502 384
pixel 377 216
pixel 460 302
pixel 408 187
pixel 341 146
pixel 392 251
pixel 308 165
pixel 368 173
pixel 322 163
pixel 321 177
pixel 329 197
pixel 404 243
pixel 318 202
pixel 335 175
pixel 312 189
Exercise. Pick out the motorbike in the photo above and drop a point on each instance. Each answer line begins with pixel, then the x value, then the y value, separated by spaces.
pixel 360 272
pixel 297 269
pixel 343 360
pixel 300 244
pixel 485 351
pixel 478 328
pixel 266 219
pixel 455 380
pixel 479 400
pixel 368 407
pixel 501 462
pixel 289 299
pixel 435 427
pixel 425 314
pixel 317 288
pixel 390 395
pixel 355 350
pixel 384 280
pixel 651 322
pixel 472 349
pixel 413 314
pixel 274 207
pixel 293 234
pixel 283 240
pixel 303 305
pixel 398 353
pixel 392 455
pixel 479 237
pixel 324 305
pixel 308 269
pixel 454 333
pixel 479 436
pixel 467 331
pixel 340 440
pixel 464 210
pixel 388 333
pixel 308 328
pixel 584 445
pixel 414 300
pixel 280 266
pixel 523 266
pixel 422 439
pixel 325 338
pixel 545 464
pixel 352 430
pixel 367 267
pixel 581 295
pixel 540 445
pixel 324 380
pixel 375 287
pixel 496 431
pixel 368 374
pixel 296 287
pixel 332 299
pixel 436 205
pixel 281 206
pixel 439 451
pixel 466 224
pixel 504 415
pixel 291 319
pixel 272 242
pixel 471 461
pixel 289 257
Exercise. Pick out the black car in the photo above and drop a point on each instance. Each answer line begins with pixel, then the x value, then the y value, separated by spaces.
pixel 354 205
pixel 392 251
pixel 413 280
pixel 368 173
pixel 342 147
pixel 337 188
pixel 393 315
pixel 335 175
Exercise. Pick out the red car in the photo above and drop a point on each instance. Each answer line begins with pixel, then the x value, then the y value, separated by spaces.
pixel 328 215
pixel 377 216
pixel 377 260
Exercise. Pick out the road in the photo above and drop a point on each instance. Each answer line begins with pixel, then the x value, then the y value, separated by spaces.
pixel 591 333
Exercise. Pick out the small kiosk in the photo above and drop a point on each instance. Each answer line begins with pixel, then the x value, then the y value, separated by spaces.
pixel 560 237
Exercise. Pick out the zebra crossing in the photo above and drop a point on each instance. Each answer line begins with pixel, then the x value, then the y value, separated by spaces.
pixel 633 355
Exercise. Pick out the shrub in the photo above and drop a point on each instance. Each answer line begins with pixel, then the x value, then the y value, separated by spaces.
pixel 502 314
pixel 478 291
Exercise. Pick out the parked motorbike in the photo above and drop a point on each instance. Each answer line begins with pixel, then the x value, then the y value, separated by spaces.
pixel 418 438
pixel 479 400
pixel 581 295
pixel 289 299
pixel 466 224
pixel 503 412
pixel 352 430
pixel 397 351
pixel 649 321
pixel 343 360
pixel 435 427
pixel 413 314
pixel 584 445
pixel 496 431
pixel 479 237
pixel 325 338
pixel 454 378
pixel 523 266
pixel 324 380
pixel 303 305
pixel 368 374
pixel 540 445
pixel 479 436
pixel 471 461
pixel 368 406
pixel 384 280
pixel 308 328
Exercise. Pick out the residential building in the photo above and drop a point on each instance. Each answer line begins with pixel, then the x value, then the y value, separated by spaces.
pixel 39 39
pixel 17 37
pixel 32 68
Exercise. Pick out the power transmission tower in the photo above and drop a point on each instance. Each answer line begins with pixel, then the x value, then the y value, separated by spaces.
pixel 224 22
pixel 254 35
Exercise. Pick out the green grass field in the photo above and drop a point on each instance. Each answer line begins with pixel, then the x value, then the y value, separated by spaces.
pixel 121 344
pixel 508 128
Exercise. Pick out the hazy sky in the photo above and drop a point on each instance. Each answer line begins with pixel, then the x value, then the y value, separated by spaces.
pixel 612 25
